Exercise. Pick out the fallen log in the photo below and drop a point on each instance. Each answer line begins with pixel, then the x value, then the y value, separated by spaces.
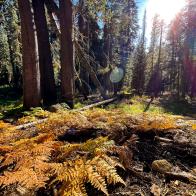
pixel 32 124
pixel 165 140
pixel 28 125
pixel 97 104
pixel 183 176
pixel 182 144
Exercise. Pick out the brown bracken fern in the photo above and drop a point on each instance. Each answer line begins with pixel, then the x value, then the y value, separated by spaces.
pixel 41 161
pixel 35 158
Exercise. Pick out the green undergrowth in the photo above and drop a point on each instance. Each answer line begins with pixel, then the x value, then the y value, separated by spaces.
pixel 79 105
pixel 138 108
pixel 137 105
pixel 9 110
pixel 10 102
pixel 11 106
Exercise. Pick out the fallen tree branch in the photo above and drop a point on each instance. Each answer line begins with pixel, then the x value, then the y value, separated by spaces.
pixel 28 125
pixel 32 124
pixel 165 140
pixel 97 104
pixel 148 105
pixel 179 143
pixel 184 176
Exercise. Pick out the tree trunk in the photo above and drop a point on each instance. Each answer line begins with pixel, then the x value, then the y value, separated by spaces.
pixel 53 12
pixel 45 59
pixel 107 58
pixel 52 7
pixel 66 53
pixel 84 75
pixel 31 74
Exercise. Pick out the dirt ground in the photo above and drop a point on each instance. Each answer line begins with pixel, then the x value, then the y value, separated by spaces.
pixel 180 153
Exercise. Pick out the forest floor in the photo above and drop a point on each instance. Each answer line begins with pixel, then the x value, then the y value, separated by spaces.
pixel 157 148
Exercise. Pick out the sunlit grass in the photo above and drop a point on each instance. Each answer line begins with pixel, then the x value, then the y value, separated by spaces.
pixel 78 105
pixel 138 106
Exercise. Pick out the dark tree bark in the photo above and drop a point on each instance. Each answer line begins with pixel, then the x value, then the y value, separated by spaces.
pixel 52 7
pixel 107 58
pixel 31 74
pixel 84 75
pixel 54 14
pixel 45 59
pixel 66 53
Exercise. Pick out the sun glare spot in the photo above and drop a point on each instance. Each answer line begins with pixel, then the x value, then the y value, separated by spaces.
pixel 167 9
pixel 116 75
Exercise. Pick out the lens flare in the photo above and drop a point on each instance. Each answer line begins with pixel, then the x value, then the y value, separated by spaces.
pixel 116 75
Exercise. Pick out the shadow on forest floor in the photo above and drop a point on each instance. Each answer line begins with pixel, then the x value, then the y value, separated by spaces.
pixel 10 102
pixel 179 107
pixel 11 105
